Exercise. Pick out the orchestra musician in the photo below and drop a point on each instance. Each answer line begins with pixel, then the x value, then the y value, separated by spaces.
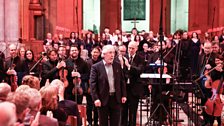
pixel 50 68
pixel 214 103
pixel 77 75
pixel 95 58
pixel 14 66
pixel 29 62
pixel 2 60
pixel 206 61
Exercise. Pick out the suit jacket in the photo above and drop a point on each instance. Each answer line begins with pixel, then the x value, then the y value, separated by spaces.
pixel 202 62
pixel 47 121
pixel 71 108
pixel 137 67
pixel 49 71
pixel 19 68
pixel 99 83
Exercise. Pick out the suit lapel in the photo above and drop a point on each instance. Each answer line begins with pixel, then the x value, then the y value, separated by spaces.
pixel 104 71
pixel 114 73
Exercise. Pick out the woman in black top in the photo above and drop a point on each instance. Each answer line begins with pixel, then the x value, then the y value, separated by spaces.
pixel 29 62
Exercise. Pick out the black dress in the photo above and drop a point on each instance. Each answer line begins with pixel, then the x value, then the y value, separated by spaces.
pixel 195 49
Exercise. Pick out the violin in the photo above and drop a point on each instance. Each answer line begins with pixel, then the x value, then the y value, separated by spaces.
pixel 13 79
pixel 63 75
pixel 214 105
pixel 76 82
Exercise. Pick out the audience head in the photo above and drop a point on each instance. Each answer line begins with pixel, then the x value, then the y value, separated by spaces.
pixel 31 81
pixel 59 85
pixel 7 114
pixel 21 101
pixel 49 98
pixel 5 89
pixel 22 88
pixel 35 99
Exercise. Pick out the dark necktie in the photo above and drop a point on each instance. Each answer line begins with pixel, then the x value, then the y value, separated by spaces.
pixel 130 59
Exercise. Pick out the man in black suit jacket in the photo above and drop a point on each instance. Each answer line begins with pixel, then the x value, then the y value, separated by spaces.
pixel 133 67
pixel 108 87
pixel 51 67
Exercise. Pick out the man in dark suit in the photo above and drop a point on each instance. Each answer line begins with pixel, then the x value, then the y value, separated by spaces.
pixel 51 67
pixel 14 65
pixel 133 67
pixel 108 87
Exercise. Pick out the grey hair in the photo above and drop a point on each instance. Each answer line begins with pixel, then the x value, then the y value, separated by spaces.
pixel 105 49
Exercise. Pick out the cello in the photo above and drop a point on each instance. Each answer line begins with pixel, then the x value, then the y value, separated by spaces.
pixel 214 104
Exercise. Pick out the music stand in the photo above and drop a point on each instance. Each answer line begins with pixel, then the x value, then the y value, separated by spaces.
pixel 156 76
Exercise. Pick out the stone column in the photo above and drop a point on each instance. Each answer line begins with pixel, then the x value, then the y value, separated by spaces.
pixel 2 29
pixel 11 21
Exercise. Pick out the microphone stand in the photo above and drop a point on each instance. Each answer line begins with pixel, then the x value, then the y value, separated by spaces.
pixel 176 79
pixel 160 106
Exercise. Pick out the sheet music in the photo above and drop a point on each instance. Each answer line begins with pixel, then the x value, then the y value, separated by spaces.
pixel 150 75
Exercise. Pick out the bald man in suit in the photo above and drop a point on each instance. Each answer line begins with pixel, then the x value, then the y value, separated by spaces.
pixel 133 66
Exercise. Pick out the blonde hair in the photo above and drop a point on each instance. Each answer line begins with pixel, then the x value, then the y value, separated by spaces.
pixel 49 97
pixel 22 88
pixel 35 98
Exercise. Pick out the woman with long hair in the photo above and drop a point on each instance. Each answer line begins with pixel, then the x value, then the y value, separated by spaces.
pixel 29 62
pixel 50 104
